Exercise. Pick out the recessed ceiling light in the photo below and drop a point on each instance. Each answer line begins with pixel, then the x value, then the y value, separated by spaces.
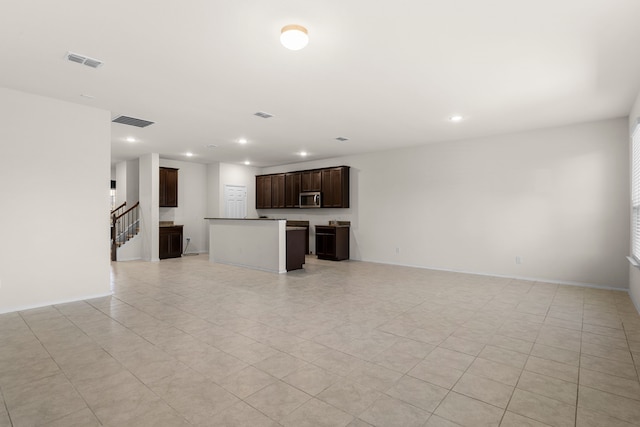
pixel 294 37
pixel 189 154
pixel 131 139
pixel 303 154
pixel 247 162
pixel 455 118
pixel 242 141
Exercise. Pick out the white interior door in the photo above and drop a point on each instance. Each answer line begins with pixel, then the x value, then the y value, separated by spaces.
pixel 235 201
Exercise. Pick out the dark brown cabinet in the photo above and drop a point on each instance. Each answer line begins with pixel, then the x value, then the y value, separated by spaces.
pixel 283 190
pixel 335 187
pixel 278 191
pixel 168 188
pixel 263 192
pixel 170 244
pixel 332 242
pixel 292 183
pixel 311 180
pixel 295 247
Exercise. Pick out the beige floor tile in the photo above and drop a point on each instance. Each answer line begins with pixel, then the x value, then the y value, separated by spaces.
pixel 483 389
pixel 502 355
pixel 616 385
pixel 277 400
pixel 609 404
pixel 418 393
pixel 495 371
pixel 462 345
pixel 552 369
pixel 588 418
pixel 387 411
pixel 541 408
pixel 511 419
pixel 468 412
pixel 316 413
pixel 509 343
pixel 374 376
pixel 553 388
pixel 414 348
pixel 449 358
pixel 556 354
pixel 337 362
pixel 606 352
pixel 432 372
pixel 42 401
pixel 608 366
pixel 280 365
pixel 246 382
pixel 82 418
pixel 311 379
pixel 396 360
pixel 436 421
pixel 242 415
pixel 349 396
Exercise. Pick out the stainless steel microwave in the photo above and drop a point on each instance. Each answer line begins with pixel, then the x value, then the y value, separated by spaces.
pixel 311 199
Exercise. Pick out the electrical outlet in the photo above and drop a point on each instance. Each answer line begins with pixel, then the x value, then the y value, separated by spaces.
pixel 188 239
pixel 518 260
pixel 397 251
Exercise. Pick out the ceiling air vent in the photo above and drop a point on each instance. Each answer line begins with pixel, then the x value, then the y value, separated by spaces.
pixel 342 139
pixel 131 121
pixel 82 59
pixel 263 114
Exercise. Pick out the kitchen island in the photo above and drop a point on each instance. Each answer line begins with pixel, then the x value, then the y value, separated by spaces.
pixel 259 243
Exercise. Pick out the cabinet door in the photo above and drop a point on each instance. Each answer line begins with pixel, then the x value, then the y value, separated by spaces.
pixel 168 196
pixel 277 191
pixel 175 244
pixel 335 187
pixel 292 182
pixel 263 192
pixel 311 181
pixel 163 246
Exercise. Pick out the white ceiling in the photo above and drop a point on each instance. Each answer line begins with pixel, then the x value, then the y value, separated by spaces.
pixel 385 74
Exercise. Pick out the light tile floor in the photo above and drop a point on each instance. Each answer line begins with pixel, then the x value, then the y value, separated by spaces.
pixel 185 342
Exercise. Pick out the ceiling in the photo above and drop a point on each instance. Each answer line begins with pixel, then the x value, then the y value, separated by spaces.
pixel 384 74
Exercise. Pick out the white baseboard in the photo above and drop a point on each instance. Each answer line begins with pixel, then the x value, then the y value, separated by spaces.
pixel 47 304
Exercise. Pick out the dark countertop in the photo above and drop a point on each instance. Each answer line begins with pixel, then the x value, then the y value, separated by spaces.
pixel 333 225
pixel 251 219
pixel 290 228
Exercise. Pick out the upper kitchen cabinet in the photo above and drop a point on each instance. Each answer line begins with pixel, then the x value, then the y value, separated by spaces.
pixel 282 190
pixel 311 180
pixel 292 185
pixel 335 187
pixel 278 191
pixel 263 192
pixel 168 188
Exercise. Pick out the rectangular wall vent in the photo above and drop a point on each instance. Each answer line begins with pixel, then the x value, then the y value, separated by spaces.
pixel 82 59
pixel 342 139
pixel 263 114
pixel 131 121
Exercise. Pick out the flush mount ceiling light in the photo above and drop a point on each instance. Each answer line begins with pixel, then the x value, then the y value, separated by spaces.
pixel 303 154
pixel 247 162
pixel 242 141
pixel 455 118
pixel 294 37
pixel 131 139
pixel 189 154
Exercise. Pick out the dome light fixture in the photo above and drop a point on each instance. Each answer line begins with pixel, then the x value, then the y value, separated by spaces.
pixel 294 37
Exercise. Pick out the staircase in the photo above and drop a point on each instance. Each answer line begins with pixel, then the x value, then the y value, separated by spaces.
pixel 125 224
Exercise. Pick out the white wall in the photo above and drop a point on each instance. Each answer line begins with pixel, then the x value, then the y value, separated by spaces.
pixel 149 179
pixel 192 203
pixel 557 198
pixel 634 272
pixel 121 183
pixel 133 182
pixel 54 182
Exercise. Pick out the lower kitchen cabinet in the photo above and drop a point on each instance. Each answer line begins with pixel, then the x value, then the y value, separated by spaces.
pixel 332 242
pixel 170 245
